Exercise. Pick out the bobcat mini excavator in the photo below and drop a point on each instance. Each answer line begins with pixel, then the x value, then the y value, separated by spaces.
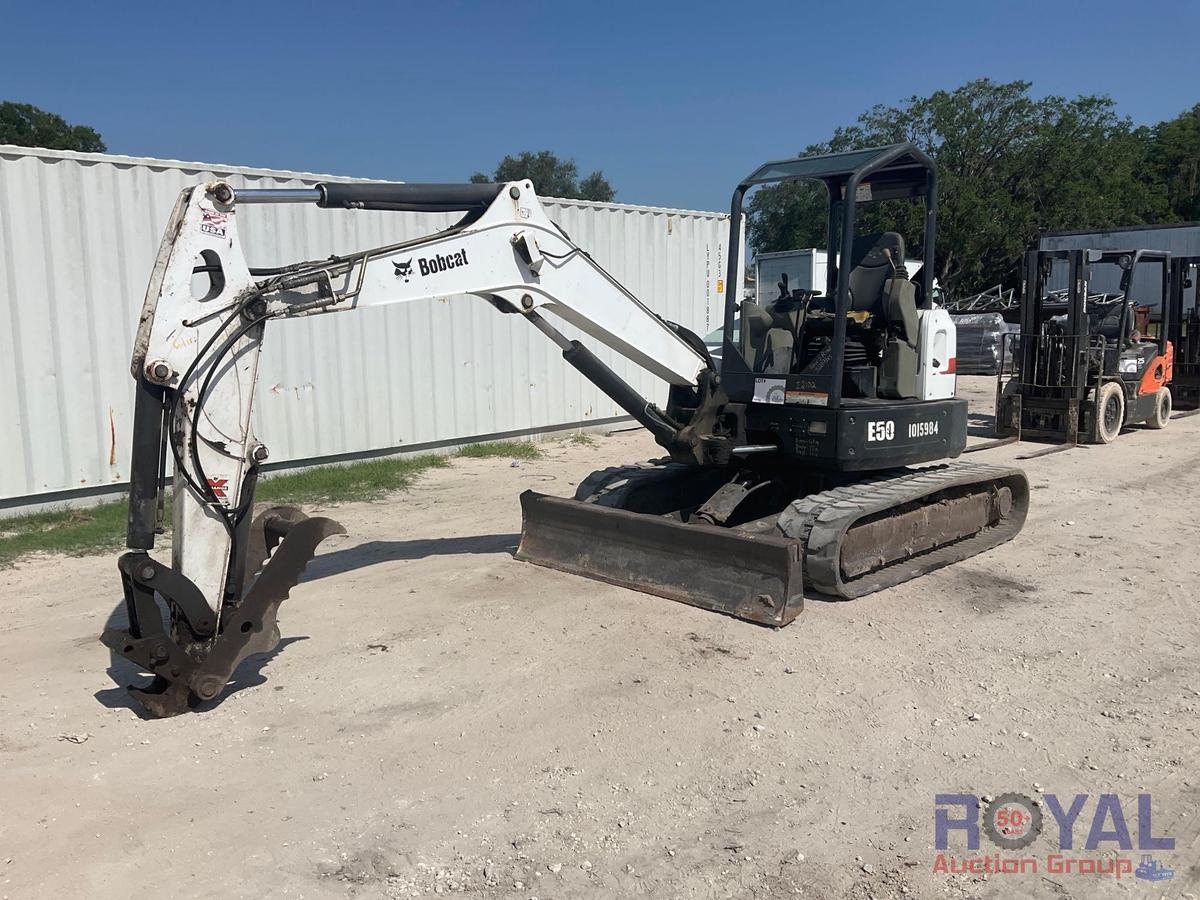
pixel 784 468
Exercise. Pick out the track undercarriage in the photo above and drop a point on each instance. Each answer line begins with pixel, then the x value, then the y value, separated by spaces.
pixel 750 543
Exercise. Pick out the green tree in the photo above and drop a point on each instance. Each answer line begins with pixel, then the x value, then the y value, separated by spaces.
pixel 1009 167
pixel 27 126
pixel 551 176
pixel 1174 163
pixel 596 187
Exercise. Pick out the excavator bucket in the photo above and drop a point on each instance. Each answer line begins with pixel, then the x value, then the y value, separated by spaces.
pixel 750 576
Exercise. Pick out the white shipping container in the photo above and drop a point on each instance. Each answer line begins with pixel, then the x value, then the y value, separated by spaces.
pixel 78 236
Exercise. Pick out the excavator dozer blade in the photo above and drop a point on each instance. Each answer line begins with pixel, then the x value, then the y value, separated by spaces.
pixel 750 576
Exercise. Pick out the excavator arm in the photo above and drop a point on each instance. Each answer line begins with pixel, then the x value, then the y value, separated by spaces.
pixel 196 362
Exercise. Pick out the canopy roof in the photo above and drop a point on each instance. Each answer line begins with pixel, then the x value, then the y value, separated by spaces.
pixel 839 166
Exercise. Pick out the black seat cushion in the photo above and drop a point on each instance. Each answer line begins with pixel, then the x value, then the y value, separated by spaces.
pixel 1104 319
pixel 874 259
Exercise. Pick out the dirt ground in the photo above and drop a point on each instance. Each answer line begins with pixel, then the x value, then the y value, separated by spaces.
pixel 443 718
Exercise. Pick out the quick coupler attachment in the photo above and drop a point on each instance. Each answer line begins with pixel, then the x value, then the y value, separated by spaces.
pixel 191 655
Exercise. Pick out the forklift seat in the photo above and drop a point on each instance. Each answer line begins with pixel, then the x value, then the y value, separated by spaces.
pixel 1105 320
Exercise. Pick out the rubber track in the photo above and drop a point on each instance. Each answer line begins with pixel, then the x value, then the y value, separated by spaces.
pixel 820 522
pixel 609 487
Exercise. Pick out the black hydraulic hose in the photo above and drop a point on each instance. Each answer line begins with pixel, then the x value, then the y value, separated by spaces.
pixel 202 491
pixel 232 517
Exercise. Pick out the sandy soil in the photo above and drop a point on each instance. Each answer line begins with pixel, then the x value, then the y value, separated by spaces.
pixel 442 718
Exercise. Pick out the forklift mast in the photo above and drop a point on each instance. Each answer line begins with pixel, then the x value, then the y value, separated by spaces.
pixel 1182 329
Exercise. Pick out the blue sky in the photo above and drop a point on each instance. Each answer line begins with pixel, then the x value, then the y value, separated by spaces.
pixel 675 102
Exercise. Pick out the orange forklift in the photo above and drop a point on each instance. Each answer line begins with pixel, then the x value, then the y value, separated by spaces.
pixel 1085 365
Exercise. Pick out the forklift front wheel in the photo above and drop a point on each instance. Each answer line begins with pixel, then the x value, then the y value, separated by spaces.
pixel 1109 413
pixel 1162 410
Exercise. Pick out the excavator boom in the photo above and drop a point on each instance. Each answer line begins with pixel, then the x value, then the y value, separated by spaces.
pixel 196 360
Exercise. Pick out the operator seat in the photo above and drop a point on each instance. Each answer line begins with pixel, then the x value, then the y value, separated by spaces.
pixel 766 347
pixel 879 285
pixel 1105 319
pixel 874 258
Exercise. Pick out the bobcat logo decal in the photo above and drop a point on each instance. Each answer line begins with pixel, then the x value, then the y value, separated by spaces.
pixel 403 269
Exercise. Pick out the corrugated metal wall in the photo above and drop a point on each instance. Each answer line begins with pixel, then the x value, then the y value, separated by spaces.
pixel 1179 240
pixel 78 236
